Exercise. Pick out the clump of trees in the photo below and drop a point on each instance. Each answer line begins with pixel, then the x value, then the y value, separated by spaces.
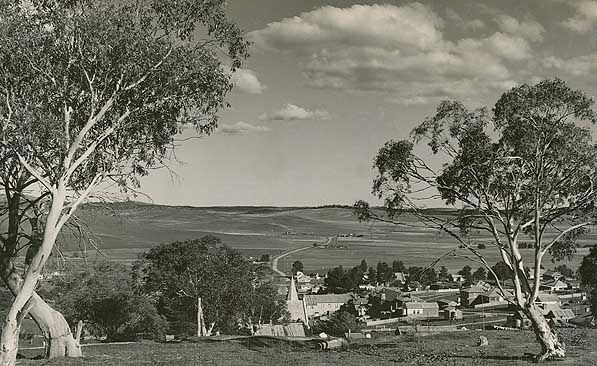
pixel 104 298
pixel 525 169
pixel 202 276
pixel 341 280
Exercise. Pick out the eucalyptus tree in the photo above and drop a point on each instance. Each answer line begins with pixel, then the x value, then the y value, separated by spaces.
pixel 532 175
pixel 94 92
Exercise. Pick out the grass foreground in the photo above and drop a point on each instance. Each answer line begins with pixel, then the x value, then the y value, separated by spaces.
pixel 450 349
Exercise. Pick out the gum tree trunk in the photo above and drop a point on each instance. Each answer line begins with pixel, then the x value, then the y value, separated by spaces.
pixel 59 340
pixel 551 347
pixel 24 297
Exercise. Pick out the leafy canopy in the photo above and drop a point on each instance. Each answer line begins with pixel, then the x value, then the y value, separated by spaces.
pixel 526 168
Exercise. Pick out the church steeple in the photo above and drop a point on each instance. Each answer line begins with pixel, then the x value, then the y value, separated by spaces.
pixel 292 294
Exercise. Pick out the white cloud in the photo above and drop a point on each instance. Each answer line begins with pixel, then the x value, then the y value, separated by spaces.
pixel 291 112
pixel 240 128
pixel 400 51
pixel 464 24
pixel 414 25
pixel 246 81
pixel 585 66
pixel 585 17
pixel 528 29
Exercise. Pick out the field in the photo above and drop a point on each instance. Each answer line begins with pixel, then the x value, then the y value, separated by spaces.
pixel 126 229
pixel 448 349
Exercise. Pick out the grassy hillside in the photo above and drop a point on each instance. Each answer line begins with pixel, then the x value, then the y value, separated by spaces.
pixel 448 349
pixel 125 229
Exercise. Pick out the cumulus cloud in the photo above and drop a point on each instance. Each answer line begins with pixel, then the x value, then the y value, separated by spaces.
pixel 399 51
pixel 585 66
pixel 528 29
pixel 241 128
pixel 291 112
pixel 585 17
pixel 246 81
pixel 360 25
pixel 464 24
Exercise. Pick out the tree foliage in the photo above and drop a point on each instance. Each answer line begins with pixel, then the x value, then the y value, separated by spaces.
pixel 525 169
pixel 230 287
pixel 93 93
pixel 588 269
pixel 103 297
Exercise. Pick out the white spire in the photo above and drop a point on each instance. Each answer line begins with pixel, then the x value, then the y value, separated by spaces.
pixel 292 294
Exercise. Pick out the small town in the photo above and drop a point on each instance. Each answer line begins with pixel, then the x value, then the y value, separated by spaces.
pixel 298 182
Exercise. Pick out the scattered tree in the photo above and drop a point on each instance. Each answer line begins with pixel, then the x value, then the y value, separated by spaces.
pixel 398 266
pixel 363 266
pixel 480 274
pixel 467 274
pixel 588 269
pixel 565 271
pixel 444 274
pixel 297 266
pixel 527 169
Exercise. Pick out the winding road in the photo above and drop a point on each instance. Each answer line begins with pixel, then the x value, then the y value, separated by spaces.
pixel 275 260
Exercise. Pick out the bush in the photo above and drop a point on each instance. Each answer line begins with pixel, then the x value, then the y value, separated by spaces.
pixel 102 296
pixel 337 325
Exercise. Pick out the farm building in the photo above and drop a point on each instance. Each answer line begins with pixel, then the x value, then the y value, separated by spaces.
pixel 420 309
pixel 468 295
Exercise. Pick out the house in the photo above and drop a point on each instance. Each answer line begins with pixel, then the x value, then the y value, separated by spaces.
pixel 400 277
pixel 493 296
pixel 451 313
pixel 468 295
pixel 318 305
pixel 389 294
pixel 578 308
pixel 458 278
pixel 545 300
pixel 559 315
pixel 360 305
pixel 420 310
pixel 444 303
pixel 551 275
pixel 554 285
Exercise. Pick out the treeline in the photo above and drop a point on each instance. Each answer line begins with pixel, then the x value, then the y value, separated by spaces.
pixel 342 280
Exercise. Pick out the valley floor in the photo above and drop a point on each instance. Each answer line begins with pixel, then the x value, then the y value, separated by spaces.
pixel 449 349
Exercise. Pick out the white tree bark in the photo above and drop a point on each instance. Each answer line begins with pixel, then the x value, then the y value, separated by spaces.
pixel 9 338
pixel 58 337
pixel 551 347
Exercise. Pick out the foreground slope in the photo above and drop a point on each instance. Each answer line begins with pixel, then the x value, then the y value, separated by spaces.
pixel 448 349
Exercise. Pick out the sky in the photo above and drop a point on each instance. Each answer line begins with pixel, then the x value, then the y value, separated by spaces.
pixel 328 82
